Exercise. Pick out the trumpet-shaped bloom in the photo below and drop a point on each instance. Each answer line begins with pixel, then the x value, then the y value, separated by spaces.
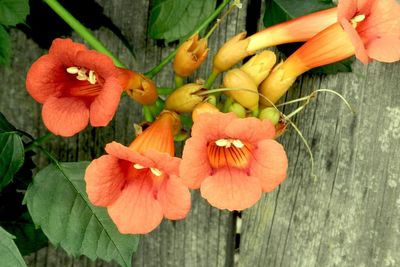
pixel 369 29
pixel 75 85
pixel 139 184
pixel 373 27
pixel 232 160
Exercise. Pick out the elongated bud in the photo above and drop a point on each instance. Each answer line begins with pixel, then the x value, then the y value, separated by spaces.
pixel 190 55
pixel 203 108
pixel 276 85
pixel 231 53
pixel 138 87
pixel 237 78
pixel 259 66
pixel 184 99
pixel 270 114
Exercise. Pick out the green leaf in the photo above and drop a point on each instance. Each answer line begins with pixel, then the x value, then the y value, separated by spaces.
pixel 13 12
pixel 173 19
pixel 5 126
pixel 58 203
pixel 278 11
pixel 11 157
pixel 5 47
pixel 9 254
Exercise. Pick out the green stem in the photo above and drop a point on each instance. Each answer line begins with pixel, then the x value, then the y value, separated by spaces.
pixel 82 30
pixel 228 103
pixel 211 79
pixel 178 81
pixel 38 141
pixel 151 73
pixel 165 90
pixel 147 114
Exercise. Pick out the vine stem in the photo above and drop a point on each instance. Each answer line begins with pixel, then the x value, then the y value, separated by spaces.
pixel 151 73
pixel 38 141
pixel 84 32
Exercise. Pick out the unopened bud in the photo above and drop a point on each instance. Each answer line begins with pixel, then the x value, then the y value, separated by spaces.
pixel 238 109
pixel 259 66
pixel 138 86
pixel 271 114
pixel 231 53
pixel 276 85
pixel 203 108
pixel 248 97
pixel 190 55
pixel 184 99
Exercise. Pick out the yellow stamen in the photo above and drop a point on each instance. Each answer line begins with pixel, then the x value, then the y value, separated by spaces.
pixel 357 19
pixel 73 70
pixel 228 142
pixel 81 74
pixel 138 166
pixel 156 172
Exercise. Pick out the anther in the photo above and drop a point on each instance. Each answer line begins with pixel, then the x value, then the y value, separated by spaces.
pixel 156 172
pixel 138 166
pixel 357 19
pixel 237 143
pixel 73 70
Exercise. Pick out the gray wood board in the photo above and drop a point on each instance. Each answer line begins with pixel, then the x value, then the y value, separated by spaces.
pixel 348 216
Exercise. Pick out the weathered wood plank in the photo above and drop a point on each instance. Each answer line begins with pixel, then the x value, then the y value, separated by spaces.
pixel 348 216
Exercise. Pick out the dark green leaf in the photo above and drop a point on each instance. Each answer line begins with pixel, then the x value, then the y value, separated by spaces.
pixel 9 254
pixel 5 126
pixel 11 157
pixel 14 216
pixel 58 203
pixel 5 47
pixel 278 11
pixel 173 19
pixel 13 12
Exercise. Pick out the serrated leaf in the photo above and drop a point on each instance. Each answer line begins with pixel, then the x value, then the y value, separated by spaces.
pixel 13 12
pixel 11 157
pixel 278 11
pixel 5 47
pixel 58 203
pixel 9 254
pixel 173 19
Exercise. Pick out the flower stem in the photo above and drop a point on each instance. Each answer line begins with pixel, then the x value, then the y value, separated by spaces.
pixel 84 32
pixel 151 73
pixel 211 79
pixel 178 81
pixel 38 141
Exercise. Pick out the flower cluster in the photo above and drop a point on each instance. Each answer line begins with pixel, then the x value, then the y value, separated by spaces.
pixel 230 153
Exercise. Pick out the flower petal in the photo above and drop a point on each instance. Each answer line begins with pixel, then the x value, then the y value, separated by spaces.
pixel 104 179
pixel 270 164
pixel 194 167
pixel 231 189
pixel 41 81
pixel 386 49
pixel 65 116
pixel 347 9
pixel 122 152
pixel 164 162
pixel 360 51
pixel 174 198
pixel 213 124
pixel 66 51
pixel 105 105
pixel 100 63
pixel 136 211
pixel 250 129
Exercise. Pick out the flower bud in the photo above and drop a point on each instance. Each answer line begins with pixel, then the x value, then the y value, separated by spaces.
pixel 138 86
pixel 231 53
pixel 190 55
pixel 203 108
pixel 184 99
pixel 270 114
pixel 238 109
pixel 259 66
pixel 276 85
pixel 237 78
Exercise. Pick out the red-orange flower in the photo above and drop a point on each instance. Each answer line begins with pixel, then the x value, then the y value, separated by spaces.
pixel 373 27
pixel 232 160
pixel 139 184
pixel 75 85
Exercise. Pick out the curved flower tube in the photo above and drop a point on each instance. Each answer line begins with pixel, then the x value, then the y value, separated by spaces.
pixel 232 160
pixel 139 184
pixel 368 29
